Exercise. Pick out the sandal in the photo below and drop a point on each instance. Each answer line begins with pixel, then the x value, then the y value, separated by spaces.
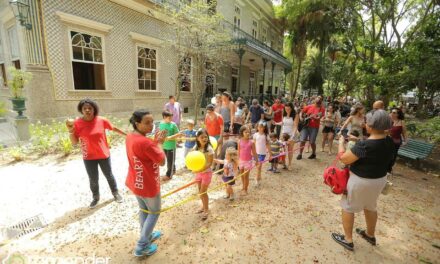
pixel 363 234
pixel 200 211
pixel 340 239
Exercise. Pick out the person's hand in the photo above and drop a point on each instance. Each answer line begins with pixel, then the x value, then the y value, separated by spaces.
pixel 69 125
pixel 404 142
pixel 160 136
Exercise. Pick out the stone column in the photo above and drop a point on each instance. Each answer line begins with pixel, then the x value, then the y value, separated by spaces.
pixel 240 52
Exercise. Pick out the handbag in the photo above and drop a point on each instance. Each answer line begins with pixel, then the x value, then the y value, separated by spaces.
pixel 336 178
pixel 388 186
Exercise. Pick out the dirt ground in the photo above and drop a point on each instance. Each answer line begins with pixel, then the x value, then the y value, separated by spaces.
pixel 288 219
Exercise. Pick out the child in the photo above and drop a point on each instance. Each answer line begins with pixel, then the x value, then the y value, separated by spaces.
pixel 190 136
pixel 230 164
pixel 169 146
pixel 246 149
pixel 275 150
pixel 204 175
pixel 261 147
pixel 286 145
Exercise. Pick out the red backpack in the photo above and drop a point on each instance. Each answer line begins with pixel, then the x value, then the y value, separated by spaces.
pixel 336 178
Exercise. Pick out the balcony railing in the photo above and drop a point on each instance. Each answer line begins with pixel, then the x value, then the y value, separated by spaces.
pixel 244 38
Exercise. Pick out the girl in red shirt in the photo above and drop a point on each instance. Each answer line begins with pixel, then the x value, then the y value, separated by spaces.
pixel 145 156
pixel 89 131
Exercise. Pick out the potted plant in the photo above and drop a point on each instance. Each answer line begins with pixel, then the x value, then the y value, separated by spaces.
pixel 18 80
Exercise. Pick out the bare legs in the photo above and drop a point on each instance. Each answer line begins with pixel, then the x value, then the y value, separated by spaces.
pixel 371 219
pixel 245 180
pixel 348 222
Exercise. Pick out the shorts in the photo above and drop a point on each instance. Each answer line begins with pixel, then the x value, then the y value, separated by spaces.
pixel 328 130
pixel 246 165
pixel 228 178
pixel 282 158
pixel 226 126
pixel 309 133
pixel 274 160
pixel 204 177
pixel 261 157
pixel 362 193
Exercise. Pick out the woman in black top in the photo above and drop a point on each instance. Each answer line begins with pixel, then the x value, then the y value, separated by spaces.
pixel 369 161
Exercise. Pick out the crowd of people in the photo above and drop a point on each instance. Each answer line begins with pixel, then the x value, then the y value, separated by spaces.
pixel 247 136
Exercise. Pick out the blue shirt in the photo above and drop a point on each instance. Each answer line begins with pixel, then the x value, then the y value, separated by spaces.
pixel 190 134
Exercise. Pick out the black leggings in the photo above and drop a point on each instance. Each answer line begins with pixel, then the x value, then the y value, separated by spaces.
pixel 393 161
pixel 171 161
pixel 92 171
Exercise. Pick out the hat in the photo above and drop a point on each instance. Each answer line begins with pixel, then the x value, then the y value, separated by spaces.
pixel 379 120
pixel 210 107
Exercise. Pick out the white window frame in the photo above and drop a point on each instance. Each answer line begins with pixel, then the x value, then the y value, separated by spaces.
pixel 103 46
pixel 190 75
pixel 11 45
pixel 144 45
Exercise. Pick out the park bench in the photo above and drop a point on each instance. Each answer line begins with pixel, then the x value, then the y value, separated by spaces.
pixel 416 149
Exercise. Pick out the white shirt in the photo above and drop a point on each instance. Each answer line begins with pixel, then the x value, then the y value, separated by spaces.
pixel 287 126
pixel 260 143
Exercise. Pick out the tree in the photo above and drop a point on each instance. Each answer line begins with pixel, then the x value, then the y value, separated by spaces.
pixel 203 44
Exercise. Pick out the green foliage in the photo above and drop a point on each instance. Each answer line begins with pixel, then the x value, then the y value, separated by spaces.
pixel 426 129
pixel 19 79
pixel 17 153
pixel 3 109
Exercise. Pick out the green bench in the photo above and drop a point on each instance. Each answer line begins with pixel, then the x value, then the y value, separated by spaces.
pixel 416 149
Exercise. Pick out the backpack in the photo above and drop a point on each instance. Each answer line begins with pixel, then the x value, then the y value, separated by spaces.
pixel 336 178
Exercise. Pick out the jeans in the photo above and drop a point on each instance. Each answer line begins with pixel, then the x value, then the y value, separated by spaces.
pixel 147 221
pixel 278 130
pixel 92 171
pixel 171 161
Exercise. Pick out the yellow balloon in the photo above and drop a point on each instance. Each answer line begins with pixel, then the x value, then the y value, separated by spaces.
pixel 195 161
pixel 214 143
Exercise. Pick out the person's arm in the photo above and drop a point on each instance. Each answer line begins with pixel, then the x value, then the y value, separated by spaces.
pixel 71 128
pixel 232 111
pixel 404 134
pixel 345 124
pixel 248 116
pixel 295 124
pixel 254 152
pixel 219 161
pixel 209 161
pixel 119 131
pixel 348 157
pixel 261 116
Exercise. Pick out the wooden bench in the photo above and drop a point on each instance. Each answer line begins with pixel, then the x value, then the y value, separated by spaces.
pixel 416 149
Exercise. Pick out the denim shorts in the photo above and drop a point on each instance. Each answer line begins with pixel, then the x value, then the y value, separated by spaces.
pixel 261 157
pixel 309 133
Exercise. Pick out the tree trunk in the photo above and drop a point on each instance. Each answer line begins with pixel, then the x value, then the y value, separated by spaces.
pixel 297 76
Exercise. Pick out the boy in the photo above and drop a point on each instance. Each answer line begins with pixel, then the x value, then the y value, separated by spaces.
pixel 275 150
pixel 190 136
pixel 169 146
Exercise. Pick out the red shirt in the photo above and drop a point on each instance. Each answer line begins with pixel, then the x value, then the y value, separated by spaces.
pixel 214 126
pixel 278 112
pixel 313 110
pixel 144 158
pixel 91 135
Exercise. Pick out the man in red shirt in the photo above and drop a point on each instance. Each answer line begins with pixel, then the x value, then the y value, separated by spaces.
pixel 277 109
pixel 311 113
pixel 213 122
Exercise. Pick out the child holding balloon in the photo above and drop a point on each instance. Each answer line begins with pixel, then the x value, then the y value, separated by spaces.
pixel 246 150
pixel 230 169
pixel 203 176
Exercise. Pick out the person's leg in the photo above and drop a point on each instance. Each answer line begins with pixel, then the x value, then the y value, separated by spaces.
pixel 204 198
pixel 347 224
pixel 174 162
pixel 169 155
pixel 313 133
pixel 152 205
pixel 324 138
pixel 330 142
pixel 106 168
pixel 290 154
pixel 371 220
pixel 92 172
pixel 393 161
pixel 278 130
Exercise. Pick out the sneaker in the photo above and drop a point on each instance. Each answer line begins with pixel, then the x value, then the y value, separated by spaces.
pixel 93 203
pixel 270 169
pixel 147 251
pixel 118 197
pixel 363 234
pixel 155 235
pixel 285 167
pixel 340 239
pixel 313 156
pixel 276 171
pixel 232 198
pixel 299 157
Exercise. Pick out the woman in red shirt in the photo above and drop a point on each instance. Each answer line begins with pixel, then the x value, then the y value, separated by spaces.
pixel 89 131
pixel 145 156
